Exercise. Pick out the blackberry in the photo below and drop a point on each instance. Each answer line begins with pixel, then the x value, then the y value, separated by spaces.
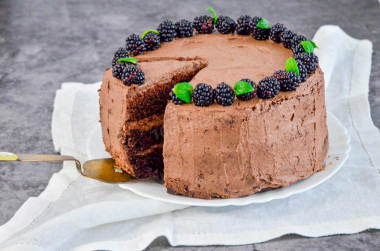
pixel 175 99
pixel 268 87
pixel 224 94
pixel 258 33
pixel 167 31
pixel 303 71
pixel 297 49
pixel 132 74
pixel 184 28
pixel 225 25
pixel 289 81
pixel 242 27
pixel 275 32
pixel 309 60
pixel 298 39
pixel 152 41
pixel 254 21
pixel 287 38
pixel 204 24
pixel 203 95
pixel 135 45
pixel 120 53
pixel 118 70
pixel 249 95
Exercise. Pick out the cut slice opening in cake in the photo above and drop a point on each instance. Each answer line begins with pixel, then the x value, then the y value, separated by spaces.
pixel 132 117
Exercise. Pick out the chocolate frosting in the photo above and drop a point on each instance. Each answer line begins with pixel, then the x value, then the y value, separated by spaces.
pixel 243 149
pixel 229 57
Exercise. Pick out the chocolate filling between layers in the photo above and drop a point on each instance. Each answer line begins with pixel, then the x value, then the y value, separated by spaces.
pixel 143 140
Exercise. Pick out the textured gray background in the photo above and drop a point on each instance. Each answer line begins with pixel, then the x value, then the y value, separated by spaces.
pixel 45 43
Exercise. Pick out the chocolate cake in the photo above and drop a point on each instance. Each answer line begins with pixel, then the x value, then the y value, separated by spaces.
pixel 214 138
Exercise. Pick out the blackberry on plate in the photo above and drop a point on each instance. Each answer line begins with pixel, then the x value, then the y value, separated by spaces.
pixel 135 45
pixel 224 94
pixel 249 95
pixel 120 53
pixel 275 32
pixel 132 74
pixel 303 71
pixel 167 31
pixel 298 39
pixel 203 95
pixel 184 28
pixel 118 70
pixel 268 87
pixel 287 38
pixel 225 25
pixel 151 40
pixel 289 81
pixel 204 24
pixel 309 60
pixel 242 27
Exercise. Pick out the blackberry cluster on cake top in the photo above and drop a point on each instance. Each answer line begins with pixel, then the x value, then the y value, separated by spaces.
pixel 305 61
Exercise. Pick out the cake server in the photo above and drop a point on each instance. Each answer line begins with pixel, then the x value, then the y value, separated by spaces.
pixel 103 170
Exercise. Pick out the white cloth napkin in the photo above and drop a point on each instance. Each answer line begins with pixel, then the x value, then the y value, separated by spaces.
pixel 78 213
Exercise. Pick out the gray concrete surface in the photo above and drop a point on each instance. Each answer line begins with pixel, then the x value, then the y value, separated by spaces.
pixel 44 43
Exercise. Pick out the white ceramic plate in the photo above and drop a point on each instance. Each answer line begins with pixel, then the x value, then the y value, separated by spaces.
pixel 337 155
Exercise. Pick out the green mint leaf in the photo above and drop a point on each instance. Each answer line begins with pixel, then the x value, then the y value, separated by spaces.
pixel 307 46
pixel 149 31
pixel 291 66
pixel 213 13
pixel 183 91
pixel 314 45
pixel 127 60
pixel 263 24
pixel 243 87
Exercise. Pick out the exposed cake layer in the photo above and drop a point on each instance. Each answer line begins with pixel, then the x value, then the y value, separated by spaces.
pixel 248 147
pixel 132 117
pixel 148 163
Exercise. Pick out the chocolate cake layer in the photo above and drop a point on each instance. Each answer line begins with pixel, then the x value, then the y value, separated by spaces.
pixel 142 140
pixel 147 164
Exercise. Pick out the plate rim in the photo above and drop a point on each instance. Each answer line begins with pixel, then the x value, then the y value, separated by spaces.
pixel 279 193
